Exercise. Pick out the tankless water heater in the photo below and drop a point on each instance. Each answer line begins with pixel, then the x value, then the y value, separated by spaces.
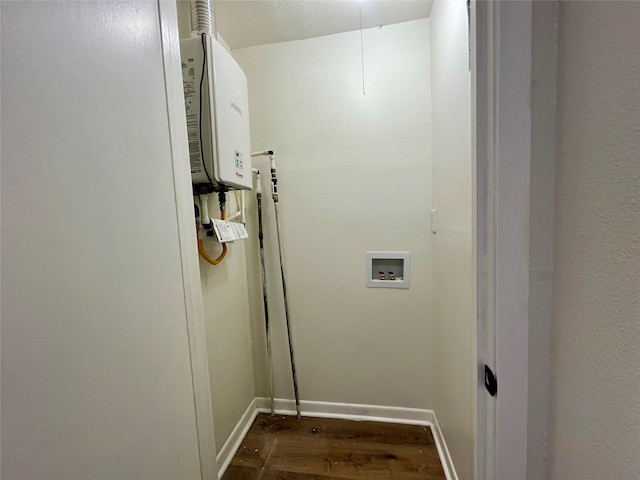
pixel 217 108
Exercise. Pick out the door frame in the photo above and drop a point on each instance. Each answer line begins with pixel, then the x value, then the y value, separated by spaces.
pixel 501 92
pixel 500 41
pixel 168 18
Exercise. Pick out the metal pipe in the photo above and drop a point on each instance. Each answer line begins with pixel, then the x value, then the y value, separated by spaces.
pixel 286 315
pixel 238 214
pixel 264 294
pixel 239 194
pixel 263 153
pixel 274 195
pixel 203 18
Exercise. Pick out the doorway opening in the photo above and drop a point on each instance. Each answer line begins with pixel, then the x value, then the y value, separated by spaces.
pixel 387 168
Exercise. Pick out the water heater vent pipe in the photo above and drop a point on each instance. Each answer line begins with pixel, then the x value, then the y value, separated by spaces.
pixel 203 18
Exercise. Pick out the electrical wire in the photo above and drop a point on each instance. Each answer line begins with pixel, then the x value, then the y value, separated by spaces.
pixel 204 69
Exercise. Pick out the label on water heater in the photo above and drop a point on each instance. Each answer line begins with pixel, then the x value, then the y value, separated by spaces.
pixel 192 106
pixel 193 132
pixel 229 231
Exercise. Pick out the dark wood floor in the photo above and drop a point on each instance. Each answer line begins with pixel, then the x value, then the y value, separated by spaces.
pixel 282 447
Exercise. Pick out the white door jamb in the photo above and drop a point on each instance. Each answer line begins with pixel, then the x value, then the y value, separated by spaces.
pixel 186 231
pixel 503 141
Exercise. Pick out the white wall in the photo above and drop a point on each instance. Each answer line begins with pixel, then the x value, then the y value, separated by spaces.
pixel 595 364
pixel 96 380
pixel 225 299
pixel 543 130
pixel 454 321
pixel 354 176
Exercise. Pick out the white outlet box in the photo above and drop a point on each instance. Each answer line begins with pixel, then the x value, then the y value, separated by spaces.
pixel 388 269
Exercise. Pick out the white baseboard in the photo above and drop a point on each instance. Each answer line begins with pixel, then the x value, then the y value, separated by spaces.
pixel 235 439
pixel 443 451
pixel 347 411
pixel 350 411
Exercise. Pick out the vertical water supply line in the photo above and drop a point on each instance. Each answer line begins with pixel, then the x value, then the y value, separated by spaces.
pixel 274 196
pixel 270 380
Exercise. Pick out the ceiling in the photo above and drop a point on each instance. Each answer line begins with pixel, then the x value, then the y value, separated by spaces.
pixel 245 23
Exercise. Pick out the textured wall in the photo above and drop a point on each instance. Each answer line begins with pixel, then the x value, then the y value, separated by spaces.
pixel 354 176
pixel 454 321
pixel 595 366
pixel 543 132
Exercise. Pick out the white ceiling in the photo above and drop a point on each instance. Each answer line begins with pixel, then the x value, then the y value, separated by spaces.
pixel 244 23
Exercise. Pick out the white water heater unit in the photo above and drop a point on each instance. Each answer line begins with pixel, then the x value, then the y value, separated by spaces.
pixel 217 107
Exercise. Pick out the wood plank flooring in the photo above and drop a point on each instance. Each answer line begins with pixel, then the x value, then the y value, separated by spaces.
pixel 283 447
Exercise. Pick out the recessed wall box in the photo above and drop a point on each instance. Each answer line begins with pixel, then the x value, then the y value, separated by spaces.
pixel 221 103
pixel 388 269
